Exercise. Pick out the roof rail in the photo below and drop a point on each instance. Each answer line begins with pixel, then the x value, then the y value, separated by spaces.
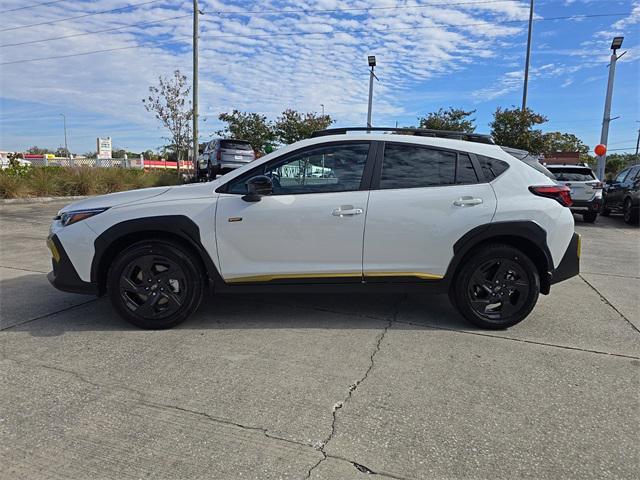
pixel 419 132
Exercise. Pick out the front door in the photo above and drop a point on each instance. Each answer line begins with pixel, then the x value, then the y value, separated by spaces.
pixel 310 229
pixel 426 200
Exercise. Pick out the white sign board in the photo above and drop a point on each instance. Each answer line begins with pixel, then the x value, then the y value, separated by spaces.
pixel 104 148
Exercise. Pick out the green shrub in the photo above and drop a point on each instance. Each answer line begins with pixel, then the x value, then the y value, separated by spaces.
pixel 12 186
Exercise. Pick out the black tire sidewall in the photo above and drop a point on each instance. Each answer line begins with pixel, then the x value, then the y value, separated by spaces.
pixel 172 251
pixel 590 217
pixel 477 258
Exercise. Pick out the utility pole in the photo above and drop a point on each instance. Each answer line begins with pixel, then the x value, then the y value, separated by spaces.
pixel 195 89
pixel 66 148
pixel 322 105
pixel 372 64
pixel 526 63
pixel 637 146
pixel 606 119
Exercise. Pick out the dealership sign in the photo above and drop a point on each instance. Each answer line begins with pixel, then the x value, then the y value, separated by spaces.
pixel 104 147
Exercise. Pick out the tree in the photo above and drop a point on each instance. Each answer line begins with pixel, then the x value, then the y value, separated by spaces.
pixel 454 119
pixel 62 152
pixel 616 162
pixel 293 126
pixel 169 102
pixel 35 150
pixel 90 155
pixel 565 142
pixel 252 127
pixel 514 128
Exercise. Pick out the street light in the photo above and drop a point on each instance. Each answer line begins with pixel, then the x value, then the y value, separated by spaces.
pixel 66 148
pixel 606 118
pixel 322 105
pixel 372 63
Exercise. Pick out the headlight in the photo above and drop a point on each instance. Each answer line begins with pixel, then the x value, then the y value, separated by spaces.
pixel 68 218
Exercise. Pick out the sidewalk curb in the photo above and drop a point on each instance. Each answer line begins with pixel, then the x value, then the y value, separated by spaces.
pixel 14 201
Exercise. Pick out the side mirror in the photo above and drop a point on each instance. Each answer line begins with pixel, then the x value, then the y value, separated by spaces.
pixel 257 187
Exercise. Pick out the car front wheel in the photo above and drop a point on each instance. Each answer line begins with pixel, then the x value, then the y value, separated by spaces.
pixel 630 216
pixel 497 287
pixel 155 284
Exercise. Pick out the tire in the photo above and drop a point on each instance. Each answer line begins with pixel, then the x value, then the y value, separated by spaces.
pixel 605 212
pixel 155 284
pixel 630 215
pixel 590 217
pixel 496 287
pixel 212 171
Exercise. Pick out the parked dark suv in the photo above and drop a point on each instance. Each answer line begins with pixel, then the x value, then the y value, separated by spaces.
pixel 621 195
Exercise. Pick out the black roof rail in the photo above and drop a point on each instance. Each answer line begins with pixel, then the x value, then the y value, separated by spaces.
pixel 419 132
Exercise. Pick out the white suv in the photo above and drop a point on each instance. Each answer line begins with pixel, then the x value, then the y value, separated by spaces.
pixel 347 209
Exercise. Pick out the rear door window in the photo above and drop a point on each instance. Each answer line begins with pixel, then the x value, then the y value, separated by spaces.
pixel 572 174
pixel 411 166
pixel 465 173
pixel 235 145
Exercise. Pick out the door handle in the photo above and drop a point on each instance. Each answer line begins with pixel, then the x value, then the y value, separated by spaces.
pixel 347 210
pixel 468 201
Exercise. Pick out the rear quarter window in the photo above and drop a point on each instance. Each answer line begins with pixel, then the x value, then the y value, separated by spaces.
pixel 491 167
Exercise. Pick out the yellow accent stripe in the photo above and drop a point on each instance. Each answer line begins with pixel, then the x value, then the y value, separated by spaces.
pixel 424 276
pixel 579 245
pixel 289 276
pixel 54 251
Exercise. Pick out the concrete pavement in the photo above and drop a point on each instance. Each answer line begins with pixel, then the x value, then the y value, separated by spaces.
pixel 303 387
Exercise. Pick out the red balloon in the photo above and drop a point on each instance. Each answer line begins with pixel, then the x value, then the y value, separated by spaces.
pixel 600 149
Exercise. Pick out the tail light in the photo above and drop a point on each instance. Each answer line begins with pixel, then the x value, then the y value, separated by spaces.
pixel 595 185
pixel 560 193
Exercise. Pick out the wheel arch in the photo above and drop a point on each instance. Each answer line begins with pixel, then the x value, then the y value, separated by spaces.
pixel 176 228
pixel 526 236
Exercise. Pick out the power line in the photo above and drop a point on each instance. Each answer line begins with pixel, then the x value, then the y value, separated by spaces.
pixel 31 6
pixel 327 10
pixel 95 31
pixel 82 16
pixel 333 32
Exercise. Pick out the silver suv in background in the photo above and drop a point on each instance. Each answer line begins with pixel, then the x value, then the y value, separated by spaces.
pixel 223 155
pixel 586 189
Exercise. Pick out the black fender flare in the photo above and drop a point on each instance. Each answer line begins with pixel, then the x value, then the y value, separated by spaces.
pixel 526 235
pixel 110 242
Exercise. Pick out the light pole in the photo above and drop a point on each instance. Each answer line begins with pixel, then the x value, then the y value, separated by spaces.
pixel 637 147
pixel 66 148
pixel 606 119
pixel 322 105
pixel 195 90
pixel 526 63
pixel 372 64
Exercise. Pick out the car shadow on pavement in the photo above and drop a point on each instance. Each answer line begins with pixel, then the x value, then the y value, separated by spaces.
pixel 52 316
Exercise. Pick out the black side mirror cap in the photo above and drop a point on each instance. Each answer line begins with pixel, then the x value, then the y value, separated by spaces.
pixel 258 187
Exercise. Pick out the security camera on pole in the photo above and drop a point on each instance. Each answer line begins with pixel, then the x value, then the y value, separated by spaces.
pixel 606 120
pixel 372 64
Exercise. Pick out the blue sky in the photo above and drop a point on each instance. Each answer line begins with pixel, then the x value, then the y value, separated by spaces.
pixel 431 54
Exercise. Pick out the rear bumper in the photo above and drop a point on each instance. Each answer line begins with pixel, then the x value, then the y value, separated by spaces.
pixel 581 206
pixel 570 264
pixel 64 276
pixel 231 165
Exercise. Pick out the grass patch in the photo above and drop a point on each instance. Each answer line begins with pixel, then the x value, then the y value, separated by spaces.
pixel 59 181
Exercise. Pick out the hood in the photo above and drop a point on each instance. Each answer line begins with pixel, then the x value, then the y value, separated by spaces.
pixel 114 199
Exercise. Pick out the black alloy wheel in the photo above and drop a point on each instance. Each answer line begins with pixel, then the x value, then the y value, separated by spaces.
pixel 156 284
pixel 497 287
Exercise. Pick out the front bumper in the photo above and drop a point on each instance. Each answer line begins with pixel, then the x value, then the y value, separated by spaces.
pixel 570 264
pixel 64 276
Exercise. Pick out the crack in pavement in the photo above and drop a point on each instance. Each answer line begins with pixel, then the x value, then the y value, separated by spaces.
pixel 610 275
pixel 49 314
pixel 23 269
pixel 142 400
pixel 352 388
pixel 604 299
pixel 521 340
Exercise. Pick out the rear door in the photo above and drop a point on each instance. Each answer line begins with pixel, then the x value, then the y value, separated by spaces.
pixel 234 151
pixel 422 201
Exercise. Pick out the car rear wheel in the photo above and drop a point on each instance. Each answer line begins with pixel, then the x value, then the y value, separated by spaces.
pixel 155 284
pixel 630 216
pixel 212 171
pixel 497 287
pixel 590 217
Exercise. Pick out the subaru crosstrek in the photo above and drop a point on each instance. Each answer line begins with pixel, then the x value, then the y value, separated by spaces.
pixel 417 210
